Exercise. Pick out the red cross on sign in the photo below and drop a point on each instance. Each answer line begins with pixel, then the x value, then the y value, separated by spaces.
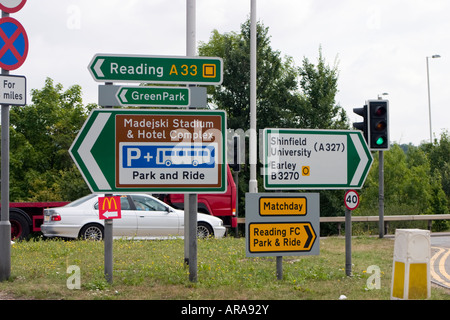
pixel 109 208
pixel 13 44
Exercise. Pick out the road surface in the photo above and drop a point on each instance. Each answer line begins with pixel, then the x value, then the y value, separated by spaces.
pixel 440 260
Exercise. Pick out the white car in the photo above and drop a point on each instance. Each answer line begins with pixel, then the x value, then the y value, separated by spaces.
pixel 142 216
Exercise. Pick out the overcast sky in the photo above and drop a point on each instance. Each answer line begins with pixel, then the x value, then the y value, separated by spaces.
pixel 380 45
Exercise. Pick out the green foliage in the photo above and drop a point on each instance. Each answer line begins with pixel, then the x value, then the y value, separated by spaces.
pixel 319 86
pixel 41 135
pixel 287 96
pixel 411 184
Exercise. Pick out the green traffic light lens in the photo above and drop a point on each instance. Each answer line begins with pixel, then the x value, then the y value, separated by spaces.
pixel 380 141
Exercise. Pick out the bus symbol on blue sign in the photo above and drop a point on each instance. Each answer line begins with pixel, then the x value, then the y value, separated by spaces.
pixel 167 156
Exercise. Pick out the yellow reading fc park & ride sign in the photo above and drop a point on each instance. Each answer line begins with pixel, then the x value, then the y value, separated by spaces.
pixel 282 224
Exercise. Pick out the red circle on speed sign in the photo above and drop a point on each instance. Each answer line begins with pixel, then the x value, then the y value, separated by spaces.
pixel 351 199
pixel 11 6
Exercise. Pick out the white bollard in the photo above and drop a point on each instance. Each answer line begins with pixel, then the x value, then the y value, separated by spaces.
pixel 411 266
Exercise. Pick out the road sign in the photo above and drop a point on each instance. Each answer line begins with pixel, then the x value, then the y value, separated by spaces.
pixel 108 96
pixel 280 224
pixel 154 96
pixel 109 208
pixel 128 150
pixel 156 69
pixel 351 199
pixel 277 237
pixel 315 159
pixel 13 44
pixel 11 6
pixel 13 90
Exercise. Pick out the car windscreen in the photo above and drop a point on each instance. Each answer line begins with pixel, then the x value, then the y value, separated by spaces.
pixel 80 201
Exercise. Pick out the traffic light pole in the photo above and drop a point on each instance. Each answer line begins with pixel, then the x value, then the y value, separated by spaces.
pixel 375 127
pixel 381 193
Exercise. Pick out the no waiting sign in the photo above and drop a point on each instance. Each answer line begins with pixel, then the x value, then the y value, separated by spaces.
pixel 13 44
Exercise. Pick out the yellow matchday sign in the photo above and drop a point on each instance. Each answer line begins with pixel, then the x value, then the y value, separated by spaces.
pixel 281 237
pixel 286 206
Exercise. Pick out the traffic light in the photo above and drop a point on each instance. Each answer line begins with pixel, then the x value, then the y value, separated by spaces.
pixel 363 126
pixel 378 124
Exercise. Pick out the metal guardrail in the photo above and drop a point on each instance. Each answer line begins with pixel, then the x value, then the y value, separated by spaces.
pixel 423 217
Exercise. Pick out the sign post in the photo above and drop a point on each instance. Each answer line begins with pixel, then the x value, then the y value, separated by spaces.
pixel 13 52
pixel 109 208
pixel 351 201
pixel 282 224
pixel 318 159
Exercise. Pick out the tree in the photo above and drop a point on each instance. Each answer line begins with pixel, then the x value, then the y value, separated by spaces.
pixel 319 86
pixel 41 135
pixel 281 102
pixel 411 185
pixel 439 155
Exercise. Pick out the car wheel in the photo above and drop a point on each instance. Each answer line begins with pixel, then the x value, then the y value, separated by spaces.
pixel 92 232
pixel 204 231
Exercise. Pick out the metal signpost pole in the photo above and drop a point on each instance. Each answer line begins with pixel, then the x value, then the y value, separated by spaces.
pixel 108 249
pixel 191 211
pixel 108 237
pixel 348 242
pixel 351 201
pixel 253 183
pixel 5 225
pixel 17 44
pixel 381 193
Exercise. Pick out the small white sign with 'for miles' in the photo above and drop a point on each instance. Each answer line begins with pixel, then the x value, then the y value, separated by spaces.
pixel 13 90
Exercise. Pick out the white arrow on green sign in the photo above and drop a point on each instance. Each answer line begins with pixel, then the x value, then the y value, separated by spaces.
pixel 315 159
pixel 154 96
pixel 156 69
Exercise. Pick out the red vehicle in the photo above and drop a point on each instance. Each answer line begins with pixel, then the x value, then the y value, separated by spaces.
pixel 221 205
pixel 27 217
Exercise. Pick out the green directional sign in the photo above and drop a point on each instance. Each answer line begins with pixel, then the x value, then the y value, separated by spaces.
pixel 315 159
pixel 156 69
pixel 173 151
pixel 154 96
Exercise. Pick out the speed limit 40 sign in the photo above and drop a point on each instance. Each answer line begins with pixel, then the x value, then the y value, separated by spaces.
pixel 351 199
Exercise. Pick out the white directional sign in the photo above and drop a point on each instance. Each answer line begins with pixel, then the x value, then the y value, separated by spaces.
pixel 13 90
pixel 315 159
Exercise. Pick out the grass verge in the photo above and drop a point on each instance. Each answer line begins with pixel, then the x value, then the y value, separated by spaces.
pixel 155 270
